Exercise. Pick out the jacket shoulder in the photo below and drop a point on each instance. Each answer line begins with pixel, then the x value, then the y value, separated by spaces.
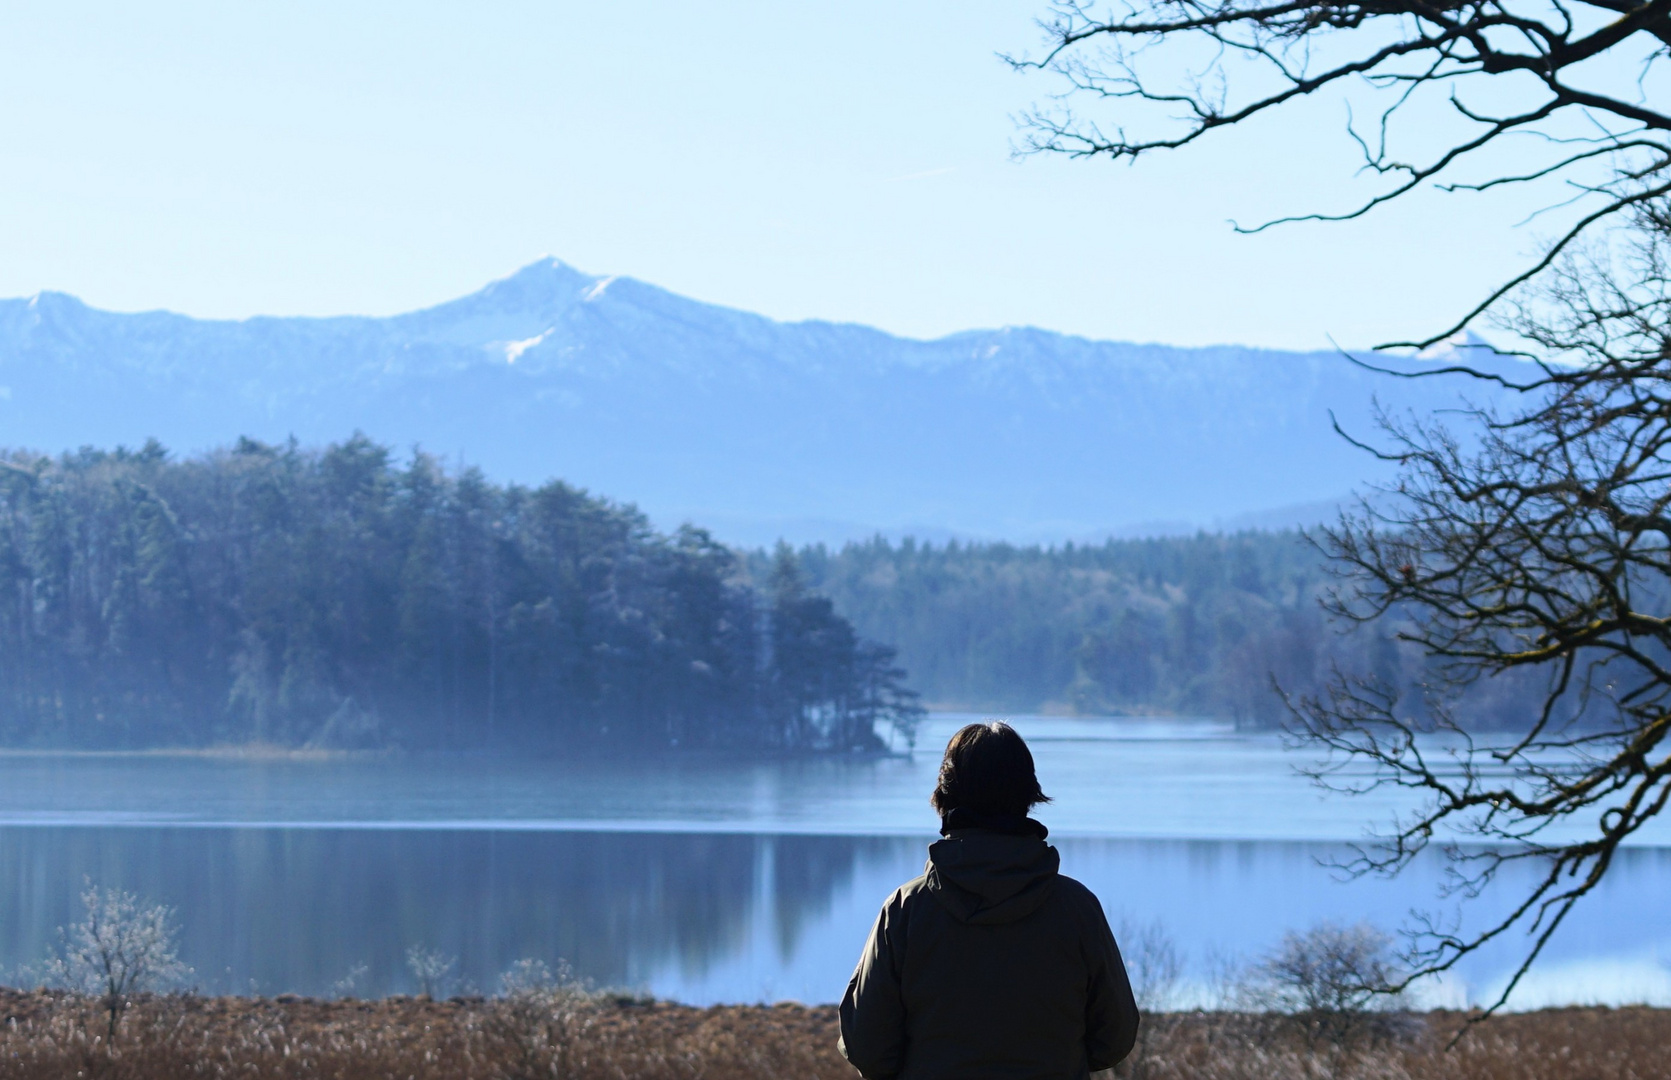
pixel 916 888
pixel 1073 894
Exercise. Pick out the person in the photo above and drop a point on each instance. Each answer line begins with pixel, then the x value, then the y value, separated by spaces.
pixel 991 964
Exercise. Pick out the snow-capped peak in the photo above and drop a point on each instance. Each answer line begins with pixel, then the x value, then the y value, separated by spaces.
pixel 515 349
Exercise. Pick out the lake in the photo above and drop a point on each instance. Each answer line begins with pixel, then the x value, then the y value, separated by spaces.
pixel 708 880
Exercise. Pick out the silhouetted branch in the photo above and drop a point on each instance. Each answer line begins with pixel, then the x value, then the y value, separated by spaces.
pixel 1163 69
pixel 1539 545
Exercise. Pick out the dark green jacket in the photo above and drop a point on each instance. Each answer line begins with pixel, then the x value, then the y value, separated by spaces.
pixel 991 964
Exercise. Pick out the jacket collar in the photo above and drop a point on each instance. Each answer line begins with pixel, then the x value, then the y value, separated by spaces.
pixel 1011 824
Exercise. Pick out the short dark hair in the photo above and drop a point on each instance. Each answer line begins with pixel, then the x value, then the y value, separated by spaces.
pixel 989 770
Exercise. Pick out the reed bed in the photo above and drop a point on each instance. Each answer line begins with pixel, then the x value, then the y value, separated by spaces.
pixel 57 1035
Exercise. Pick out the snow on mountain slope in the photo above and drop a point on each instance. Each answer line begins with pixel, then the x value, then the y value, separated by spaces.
pixel 814 430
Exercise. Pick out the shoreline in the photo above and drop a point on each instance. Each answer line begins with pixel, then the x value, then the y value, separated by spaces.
pixel 267 751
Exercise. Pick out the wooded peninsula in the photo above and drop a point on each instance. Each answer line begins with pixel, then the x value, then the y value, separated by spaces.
pixel 335 598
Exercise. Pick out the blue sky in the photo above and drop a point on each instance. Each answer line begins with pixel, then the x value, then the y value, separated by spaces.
pixel 841 161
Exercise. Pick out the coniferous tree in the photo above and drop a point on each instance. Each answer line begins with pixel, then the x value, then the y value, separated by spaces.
pixel 340 598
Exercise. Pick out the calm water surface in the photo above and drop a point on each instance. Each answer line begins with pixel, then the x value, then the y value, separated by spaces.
pixel 706 880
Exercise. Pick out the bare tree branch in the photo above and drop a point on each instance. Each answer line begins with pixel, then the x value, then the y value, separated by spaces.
pixel 1140 60
pixel 1538 545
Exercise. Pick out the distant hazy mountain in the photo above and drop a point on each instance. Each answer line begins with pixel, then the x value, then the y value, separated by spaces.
pixel 756 428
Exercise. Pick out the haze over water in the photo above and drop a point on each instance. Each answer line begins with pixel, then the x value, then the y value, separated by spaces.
pixel 710 880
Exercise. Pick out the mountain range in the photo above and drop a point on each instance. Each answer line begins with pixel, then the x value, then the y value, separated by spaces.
pixel 753 427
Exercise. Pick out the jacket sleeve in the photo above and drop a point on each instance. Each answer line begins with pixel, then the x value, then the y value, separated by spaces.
pixel 873 1009
pixel 1111 1017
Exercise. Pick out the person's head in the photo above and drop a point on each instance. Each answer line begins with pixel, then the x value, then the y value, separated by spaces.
pixel 988 770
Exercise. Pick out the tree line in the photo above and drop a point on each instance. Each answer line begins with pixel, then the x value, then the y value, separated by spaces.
pixel 1204 625
pixel 337 597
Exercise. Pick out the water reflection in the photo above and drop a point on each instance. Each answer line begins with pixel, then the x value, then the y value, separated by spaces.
pixel 296 909
pixel 705 917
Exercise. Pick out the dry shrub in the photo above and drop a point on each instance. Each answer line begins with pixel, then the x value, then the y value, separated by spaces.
pixel 122 947
pixel 1330 983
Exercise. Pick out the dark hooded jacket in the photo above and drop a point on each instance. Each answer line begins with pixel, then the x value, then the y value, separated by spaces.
pixel 991 964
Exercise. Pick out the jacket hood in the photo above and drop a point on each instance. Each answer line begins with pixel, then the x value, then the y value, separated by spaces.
pixel 983 876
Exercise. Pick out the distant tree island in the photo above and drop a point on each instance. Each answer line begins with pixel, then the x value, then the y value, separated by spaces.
pixel 337 598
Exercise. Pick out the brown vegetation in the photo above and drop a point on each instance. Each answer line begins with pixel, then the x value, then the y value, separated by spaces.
pixel 1553 1044
pixel 51 1034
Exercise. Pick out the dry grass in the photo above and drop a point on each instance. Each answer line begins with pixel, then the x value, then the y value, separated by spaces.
pixel 48 1034
pixel 53 1034
pixel 1553 1044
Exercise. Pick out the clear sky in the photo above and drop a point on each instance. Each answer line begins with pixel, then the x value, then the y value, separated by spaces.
pixel 843 161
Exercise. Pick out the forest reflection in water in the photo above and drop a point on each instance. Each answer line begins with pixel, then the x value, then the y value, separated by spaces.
pixel 706 917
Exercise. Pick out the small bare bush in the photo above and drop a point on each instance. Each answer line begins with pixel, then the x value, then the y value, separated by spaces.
pixel 120 948
pixel 1153 963
pixel 538 1019
pixel 431 967
pixel 1155 967
pixel 1334 981
pixel 349 984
